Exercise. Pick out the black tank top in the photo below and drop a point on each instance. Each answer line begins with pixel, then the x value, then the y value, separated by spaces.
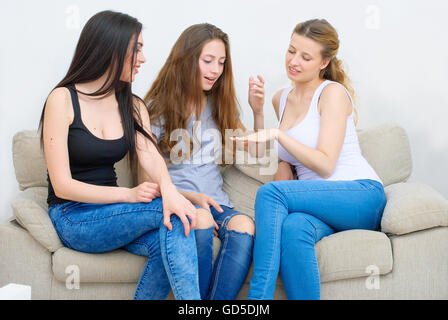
pixel 91 159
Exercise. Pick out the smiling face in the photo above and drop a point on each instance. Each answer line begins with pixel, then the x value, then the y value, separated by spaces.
pixel 130 68
pixel 211 63
pixel 304 59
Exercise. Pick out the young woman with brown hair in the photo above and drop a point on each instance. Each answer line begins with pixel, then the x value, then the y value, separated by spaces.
pixel 193 98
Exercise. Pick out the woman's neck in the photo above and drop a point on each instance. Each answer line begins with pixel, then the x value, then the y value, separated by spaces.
pixel 302 89
pixel 94 86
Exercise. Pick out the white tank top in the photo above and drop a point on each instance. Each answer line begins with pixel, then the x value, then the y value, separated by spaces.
pixel 351 165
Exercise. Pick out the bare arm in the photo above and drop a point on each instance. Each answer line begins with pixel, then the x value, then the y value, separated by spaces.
pixel 154 168
pixel 335 107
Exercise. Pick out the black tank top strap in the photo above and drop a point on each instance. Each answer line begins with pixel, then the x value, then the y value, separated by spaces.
pixel 76 108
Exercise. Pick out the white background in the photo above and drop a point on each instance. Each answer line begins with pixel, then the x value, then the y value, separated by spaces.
pixel 395 53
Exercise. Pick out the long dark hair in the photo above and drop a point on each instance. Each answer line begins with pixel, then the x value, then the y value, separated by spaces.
pixel 104 43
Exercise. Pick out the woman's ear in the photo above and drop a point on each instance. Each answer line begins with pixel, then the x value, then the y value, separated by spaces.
pixel 325 63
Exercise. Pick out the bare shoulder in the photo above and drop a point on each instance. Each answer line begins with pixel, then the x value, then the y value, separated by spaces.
pixel 141 110
pixel 334 96
pixel 59 103
pixel 276 101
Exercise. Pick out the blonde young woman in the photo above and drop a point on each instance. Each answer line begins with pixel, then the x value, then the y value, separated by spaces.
pixel 194 93
pixel 336 188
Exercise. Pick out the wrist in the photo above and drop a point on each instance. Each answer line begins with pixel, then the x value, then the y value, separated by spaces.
pixel 125 195
pixel 258 113
pixel 167 186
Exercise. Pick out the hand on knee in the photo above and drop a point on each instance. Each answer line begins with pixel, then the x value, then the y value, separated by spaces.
pixel 241 223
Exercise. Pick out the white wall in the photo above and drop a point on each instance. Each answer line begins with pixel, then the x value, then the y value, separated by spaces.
pixel 395 52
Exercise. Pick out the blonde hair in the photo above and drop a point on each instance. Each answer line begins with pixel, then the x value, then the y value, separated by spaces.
pixel 321 31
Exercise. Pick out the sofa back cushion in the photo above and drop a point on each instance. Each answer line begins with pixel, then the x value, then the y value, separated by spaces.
pixel 31 170
pixel 386 148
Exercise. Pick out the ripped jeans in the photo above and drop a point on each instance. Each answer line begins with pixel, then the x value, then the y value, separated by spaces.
pixel 222 280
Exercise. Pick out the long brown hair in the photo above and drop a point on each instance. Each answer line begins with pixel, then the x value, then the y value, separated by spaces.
pixel 178 86
pixel 321 31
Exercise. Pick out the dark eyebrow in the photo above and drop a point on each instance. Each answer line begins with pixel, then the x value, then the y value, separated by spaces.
pixel 140 44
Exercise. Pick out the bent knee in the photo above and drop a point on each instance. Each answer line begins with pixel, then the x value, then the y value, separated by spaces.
pixel 241 223
pixel 204 219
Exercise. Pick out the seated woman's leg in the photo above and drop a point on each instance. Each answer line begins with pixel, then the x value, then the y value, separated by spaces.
pixel 343 205
pixel 204 244
pixel 236 232
pixel 96 228
pixel 153 283
pixel 299 267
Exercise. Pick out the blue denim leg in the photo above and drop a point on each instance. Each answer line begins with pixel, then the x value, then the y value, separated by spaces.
pixel 342 205
pixel 204 244
pixel 299 267
pixel 148 245
pixel 233 260
pixel 96 228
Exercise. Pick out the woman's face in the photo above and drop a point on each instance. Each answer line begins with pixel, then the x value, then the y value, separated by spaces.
pixel 304 59
pixel 211 63
pixel 130 68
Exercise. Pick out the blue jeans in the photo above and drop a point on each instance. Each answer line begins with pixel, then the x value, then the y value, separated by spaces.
pixel 223 279
pixel 137 228
pixel 291 216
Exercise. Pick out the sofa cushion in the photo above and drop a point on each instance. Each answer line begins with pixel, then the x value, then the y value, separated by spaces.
pixel 343 255
pixel 241 189
pixel 413 206
pixel 31 212
pixel 31 170
pixel 114 266
pixel 352 254
pixel 386 148
pixel 29 160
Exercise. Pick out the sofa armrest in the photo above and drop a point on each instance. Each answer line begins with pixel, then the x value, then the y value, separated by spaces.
pixel 32 215
pixel 412 207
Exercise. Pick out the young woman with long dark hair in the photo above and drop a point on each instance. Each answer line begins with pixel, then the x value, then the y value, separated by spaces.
pixel 90 121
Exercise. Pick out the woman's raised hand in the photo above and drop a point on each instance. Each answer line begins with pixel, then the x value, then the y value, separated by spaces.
pixel 256 94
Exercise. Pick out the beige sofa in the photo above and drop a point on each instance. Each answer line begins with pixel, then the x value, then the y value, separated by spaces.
pixel 407 260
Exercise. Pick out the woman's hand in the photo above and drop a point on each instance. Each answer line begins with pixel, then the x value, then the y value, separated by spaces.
pixel 261 136
pixel 175 203
pixel 144 192
pixel 256 94
pixel 204 201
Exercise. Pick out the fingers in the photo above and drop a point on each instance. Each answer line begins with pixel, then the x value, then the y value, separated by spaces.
pixel 259 83
pixel 186 223
pixel 166 220
pixel 215 205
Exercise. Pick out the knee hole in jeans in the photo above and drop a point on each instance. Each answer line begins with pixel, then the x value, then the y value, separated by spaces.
pixel 241 223
pixel 204 219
